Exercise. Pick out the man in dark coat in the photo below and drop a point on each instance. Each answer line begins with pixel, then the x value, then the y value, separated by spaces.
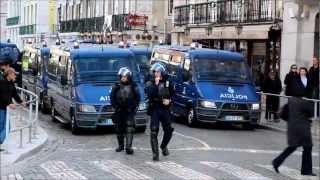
pixel 290 79
pixel 299 134
pixel 272 84
pixel 314 79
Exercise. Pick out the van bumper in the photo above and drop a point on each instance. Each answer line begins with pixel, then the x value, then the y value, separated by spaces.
pixel 217 115
pixel 93 120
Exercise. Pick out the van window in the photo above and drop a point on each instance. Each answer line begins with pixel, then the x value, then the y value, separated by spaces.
pixel 161 57
pixel 52 67
pixel 221 70
pixel 62 68
pixel 102 69
pixel 176 59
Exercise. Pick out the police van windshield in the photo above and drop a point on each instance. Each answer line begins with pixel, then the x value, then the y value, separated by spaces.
pixel 221 70
pixel 102 69
pixel 142 59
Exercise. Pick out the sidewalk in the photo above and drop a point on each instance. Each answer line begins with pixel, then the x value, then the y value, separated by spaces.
pixel 13 152
pixel 282 126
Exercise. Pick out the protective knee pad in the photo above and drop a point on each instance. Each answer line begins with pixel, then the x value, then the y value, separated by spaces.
pixel 168 129
pixel 154 132
pixel 130 130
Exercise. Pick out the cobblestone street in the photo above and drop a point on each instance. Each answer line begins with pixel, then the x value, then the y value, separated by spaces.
pixel 207 152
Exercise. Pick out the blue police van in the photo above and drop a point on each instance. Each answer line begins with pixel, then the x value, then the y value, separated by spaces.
pixel 80 82
pixel 211 86
pixel 34 73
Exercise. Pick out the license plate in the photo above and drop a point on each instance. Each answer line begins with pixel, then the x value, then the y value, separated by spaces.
pixel 107 122
pixel 233 118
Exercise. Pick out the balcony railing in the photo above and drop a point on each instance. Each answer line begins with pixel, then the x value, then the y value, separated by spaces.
pixel 13 21
pixel 94 24
pixel 119 22
pixel 29 29
pixel 222 12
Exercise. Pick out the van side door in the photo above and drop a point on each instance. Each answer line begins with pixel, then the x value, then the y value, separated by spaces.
pixel 61 88
pixel 188 92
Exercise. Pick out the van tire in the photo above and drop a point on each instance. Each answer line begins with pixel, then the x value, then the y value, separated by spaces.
pixel 191 118
pixel 43 107
pixel 75 130
pixel 141 129
pixel 248 126
pixel 53 114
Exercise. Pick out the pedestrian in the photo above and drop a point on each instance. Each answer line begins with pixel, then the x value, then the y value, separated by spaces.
pixel 314 79
pixel 8 92
pixel 272 84
pixel 302 85
pixel 290 79
pixel 298 113
pixel 159 91
pixel 125 98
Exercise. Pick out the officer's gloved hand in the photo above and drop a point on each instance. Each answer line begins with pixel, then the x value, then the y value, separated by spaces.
pixel 166 102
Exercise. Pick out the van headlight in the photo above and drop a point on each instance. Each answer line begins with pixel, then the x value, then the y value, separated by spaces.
pixel 255 106
pixel 142 107
pixel 86 108
pixel 208 104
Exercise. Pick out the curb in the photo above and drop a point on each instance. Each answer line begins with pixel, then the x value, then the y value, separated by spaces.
pixel 35 149
pixel 282 130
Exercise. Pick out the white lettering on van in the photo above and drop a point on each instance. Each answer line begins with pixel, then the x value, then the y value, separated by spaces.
pixel 105 98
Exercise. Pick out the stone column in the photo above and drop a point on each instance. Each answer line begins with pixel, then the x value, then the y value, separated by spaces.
pixel 297 36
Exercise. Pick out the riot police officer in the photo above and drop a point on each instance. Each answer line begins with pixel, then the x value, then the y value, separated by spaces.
pixel 159 91
pixel 125 98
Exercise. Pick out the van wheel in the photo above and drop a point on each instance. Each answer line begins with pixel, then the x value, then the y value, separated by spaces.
pixel 191 119
pixel 141 129
pixel 53 114
pixel 74 127
pixel 248 126
pixel 43 107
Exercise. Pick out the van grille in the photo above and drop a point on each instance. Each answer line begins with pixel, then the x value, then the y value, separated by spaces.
pixel 104 108
pixel 234 106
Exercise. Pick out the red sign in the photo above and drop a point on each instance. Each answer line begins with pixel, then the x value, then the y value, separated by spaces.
pixel 136 20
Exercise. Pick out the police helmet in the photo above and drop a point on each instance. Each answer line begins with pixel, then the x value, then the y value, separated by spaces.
pixel 124 71
pixel 158 67
pixel 5 59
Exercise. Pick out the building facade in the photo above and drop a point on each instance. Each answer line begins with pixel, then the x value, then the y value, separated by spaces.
pixel 31 20
pixel 3 18
pixel 300 36
pixel 252 27
pixel 13 21
pixel 116 20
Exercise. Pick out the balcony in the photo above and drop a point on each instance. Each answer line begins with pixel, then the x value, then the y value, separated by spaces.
pixel 13 21
pixel 119 22
pixel 229 12
pixel 94 24
pixel 182 14
pixel 29 29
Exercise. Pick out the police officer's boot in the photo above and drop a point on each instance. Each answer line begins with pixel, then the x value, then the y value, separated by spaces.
pixel 129 139
pixel 166 139
pixel 154 144
pixel 120 138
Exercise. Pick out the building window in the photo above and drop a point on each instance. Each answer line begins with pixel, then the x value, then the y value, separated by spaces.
pixel 170 6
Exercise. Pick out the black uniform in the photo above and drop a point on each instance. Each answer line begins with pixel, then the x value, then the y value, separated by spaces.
pixel 159 113
pixel 272 102
pixel 125 100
